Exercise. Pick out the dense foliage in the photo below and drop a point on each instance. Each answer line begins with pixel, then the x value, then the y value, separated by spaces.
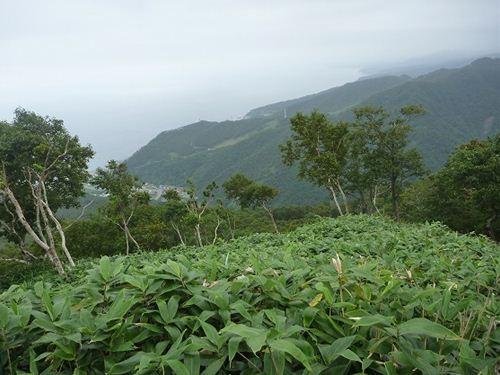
pixel 465 193
pixel 42 168
pixel 357 294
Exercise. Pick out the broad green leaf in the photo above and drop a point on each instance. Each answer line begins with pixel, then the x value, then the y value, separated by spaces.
pixel 214 367
pixel 274 362
pixel 174 268
pixel 292 349
pixel 177 367
pixel 192 362
pixel 232 347
pixel 254 337
pixel 172 306
pixel 210 332
pixel 164 313
pixel 308 315
pixel 120 306
pixel 424 327
pixel 135 282
pixel 350 355
pixel 331 352
pixel 128 365
pixel 105 268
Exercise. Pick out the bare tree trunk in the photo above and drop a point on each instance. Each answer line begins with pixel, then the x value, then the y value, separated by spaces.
pixel 127 245
pixel 60 230
pixel 344 198
pixel 197 234
pixel 133 239
pixel 334 196
pixel 215 230
pixel 50 251
pixel 179 234
pixel 270 213
pixel 374 200
pixel 128 235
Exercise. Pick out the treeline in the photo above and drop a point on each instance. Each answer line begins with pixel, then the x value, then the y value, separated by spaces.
pixel 366 165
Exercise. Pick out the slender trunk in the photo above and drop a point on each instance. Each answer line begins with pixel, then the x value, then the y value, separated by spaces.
pixel 216 230
pixel 374 200
pixel 270 213
pixel 22 219
pixel 54 259
pixel 128 235
pixel 334 196
pixel 176 228
pixel 52 253
pixel 133 239
pixel 58 225
pixel 39 225
pixel 127 245
pixel 344 198
pixel 197 234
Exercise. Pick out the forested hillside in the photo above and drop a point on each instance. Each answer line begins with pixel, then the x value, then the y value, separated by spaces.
pixel 461 104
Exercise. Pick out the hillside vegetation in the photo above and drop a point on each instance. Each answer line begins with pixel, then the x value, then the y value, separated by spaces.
pixel 357 294
pixel 461 104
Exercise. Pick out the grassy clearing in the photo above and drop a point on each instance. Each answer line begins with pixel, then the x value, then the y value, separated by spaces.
pixel 397 299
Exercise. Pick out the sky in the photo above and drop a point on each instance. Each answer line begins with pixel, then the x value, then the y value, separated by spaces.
pixel 118 72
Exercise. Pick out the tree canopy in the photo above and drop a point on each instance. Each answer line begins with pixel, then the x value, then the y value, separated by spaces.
pixel 321 148
pixel 465 193
pixel 124 195
pixel 43 168
pixel 250 194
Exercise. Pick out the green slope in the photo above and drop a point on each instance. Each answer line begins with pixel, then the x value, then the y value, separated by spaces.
pixel 461 104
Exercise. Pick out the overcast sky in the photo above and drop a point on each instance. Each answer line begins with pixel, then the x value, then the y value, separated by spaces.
pixel 119 72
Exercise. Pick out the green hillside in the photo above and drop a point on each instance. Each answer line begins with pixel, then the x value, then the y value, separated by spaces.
pixel 403 299
pixel 461 104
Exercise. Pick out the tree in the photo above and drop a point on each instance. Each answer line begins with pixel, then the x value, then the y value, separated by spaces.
pixel 195 208
pixel 43 168
pixel 125 197
pixel 321 149
pixel 250 194
pixel 465 193
pixel 474 170
pixel 175 211
pixel 384 152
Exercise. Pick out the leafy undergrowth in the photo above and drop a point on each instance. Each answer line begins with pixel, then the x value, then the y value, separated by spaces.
pixel 398 299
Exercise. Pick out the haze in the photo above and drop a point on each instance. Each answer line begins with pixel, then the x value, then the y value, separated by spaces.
pixel 120 72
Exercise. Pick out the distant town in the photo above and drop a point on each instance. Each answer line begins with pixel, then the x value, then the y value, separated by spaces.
pixel 155 191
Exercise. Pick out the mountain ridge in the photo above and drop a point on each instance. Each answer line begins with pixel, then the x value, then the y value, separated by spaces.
pixel 461 104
